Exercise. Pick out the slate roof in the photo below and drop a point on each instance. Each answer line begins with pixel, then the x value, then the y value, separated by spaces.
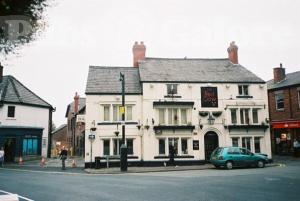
pixel 59 128
pixel 81 105
pixel 105 80
pixel 13 91
pixel 195 70
pixel 291 79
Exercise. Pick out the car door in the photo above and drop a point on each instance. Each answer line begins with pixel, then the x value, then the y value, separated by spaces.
pixel 247 157
pixel 234 155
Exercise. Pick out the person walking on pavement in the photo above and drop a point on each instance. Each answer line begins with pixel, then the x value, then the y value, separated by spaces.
pixel 1 156
pixel 172 155
pixel 63 156
pixel 296 146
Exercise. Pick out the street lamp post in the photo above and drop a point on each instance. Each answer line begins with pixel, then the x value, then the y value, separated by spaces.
pixel 92 138
pixel 123 157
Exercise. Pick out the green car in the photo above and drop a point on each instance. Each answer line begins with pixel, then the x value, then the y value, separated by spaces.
pixel 230 157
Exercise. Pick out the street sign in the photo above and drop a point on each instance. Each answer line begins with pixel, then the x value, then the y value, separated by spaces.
pixel 122 109
pixel 91 137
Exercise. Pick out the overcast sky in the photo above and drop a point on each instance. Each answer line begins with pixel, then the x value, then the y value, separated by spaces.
pixel 101 32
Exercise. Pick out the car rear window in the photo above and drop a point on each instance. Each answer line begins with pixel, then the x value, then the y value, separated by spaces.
pixel 217 151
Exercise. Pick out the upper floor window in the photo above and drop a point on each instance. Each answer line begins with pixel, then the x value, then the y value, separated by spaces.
pixel 299 98
pixel 244 115
pixel 171 89
pixel 243 90
pixel 255 115
pixel 233 116
pixel 11 111
pixel 106 113
pixel 173 116
pixel 117 115
pixel 279 99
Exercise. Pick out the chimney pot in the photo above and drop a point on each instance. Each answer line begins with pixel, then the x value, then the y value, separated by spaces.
pixel 279 73
pixel 139 53
pixel 233 53
pixel 76 103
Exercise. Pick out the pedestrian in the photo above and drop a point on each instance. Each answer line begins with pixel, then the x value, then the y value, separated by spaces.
pixel 1 156
pixel 172 155
pixel 63 156
pixel 296 146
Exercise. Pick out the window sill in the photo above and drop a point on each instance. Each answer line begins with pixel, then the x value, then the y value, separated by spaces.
pixel 172 96
pixel 11 118
pixel 244 96
pixel 117 123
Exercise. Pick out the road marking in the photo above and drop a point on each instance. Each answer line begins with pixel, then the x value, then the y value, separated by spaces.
pixel 24 198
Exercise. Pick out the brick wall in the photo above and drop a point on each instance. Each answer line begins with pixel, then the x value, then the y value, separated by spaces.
pixel 291 106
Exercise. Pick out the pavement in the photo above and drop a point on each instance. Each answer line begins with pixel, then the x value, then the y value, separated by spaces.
pixel 54 165
pixel 273 183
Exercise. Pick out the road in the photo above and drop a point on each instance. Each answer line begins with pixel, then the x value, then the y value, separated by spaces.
pixel 271 183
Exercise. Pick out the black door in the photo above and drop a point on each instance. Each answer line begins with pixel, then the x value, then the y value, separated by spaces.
pixel 211 141
pixel 10 149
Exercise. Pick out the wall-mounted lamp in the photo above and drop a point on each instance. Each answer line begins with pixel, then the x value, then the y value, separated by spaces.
pixel 210 119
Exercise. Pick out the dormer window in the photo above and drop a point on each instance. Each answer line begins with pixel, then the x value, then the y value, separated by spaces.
pixel 243 90
pixel 171 89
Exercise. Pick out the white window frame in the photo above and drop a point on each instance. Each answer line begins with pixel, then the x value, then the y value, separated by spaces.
pixel 119 116
pixel 234 111
pixel 243 116
pixel 243 87
pixel 257 112
pixel 174 87
pixel 298 97
pixel 104 106
pixel 276 101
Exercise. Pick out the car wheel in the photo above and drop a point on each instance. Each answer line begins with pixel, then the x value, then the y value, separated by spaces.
pixel 229 165
pixel 261 164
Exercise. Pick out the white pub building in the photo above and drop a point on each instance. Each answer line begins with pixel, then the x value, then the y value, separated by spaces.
pixel 189 105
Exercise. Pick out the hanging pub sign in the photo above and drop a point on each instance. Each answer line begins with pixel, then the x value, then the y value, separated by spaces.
pixel 209 97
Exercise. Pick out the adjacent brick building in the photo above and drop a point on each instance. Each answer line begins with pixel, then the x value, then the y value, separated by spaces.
pixel 59 139
pixel 284 106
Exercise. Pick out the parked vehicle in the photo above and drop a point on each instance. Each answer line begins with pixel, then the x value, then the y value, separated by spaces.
pixel 230 157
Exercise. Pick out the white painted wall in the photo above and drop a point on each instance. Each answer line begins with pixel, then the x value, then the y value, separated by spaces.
pixel 146 141
pixel 28 116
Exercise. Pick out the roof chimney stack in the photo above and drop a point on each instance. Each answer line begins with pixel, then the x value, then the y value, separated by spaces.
pixel 233 53
pixel 1 73
pixel 139 53
pixel 279 73
pixel 76 103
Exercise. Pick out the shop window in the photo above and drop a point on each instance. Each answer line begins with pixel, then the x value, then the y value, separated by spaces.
pixel 235 141
pixel 233 116
pixel 246 142
pixel 117 146
pixel 279 99
pixel 106 150
pixel 257 144
pixel 184 146
pixel 173 142
pixel 11 111
pixel 244 115
pixel 171 89
pixel 255 116
pixel 161 146
pixel 129 143
pixel 30 147
pixel 243 90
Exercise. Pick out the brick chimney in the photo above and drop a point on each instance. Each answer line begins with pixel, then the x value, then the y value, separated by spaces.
pixel 139 53
pixel 233 53
pixel 1 73
pixel 279 73
pixel 76 103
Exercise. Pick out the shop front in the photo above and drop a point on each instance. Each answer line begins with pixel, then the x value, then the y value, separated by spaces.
pixel 20 142
pixel 283 135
